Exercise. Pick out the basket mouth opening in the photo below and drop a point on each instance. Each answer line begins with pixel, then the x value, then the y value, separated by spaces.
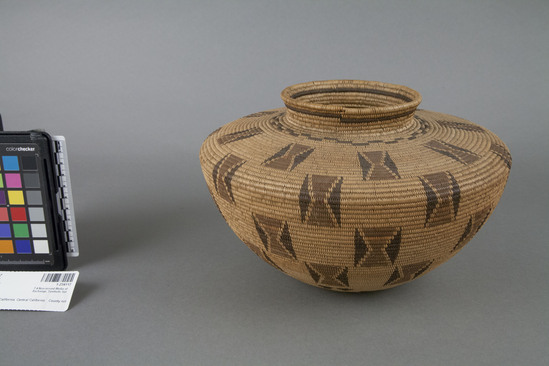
pixel 351 98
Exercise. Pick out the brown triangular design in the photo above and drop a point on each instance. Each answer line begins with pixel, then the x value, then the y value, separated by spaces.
pixel 286 240
pixel 394 247
pixel 361 250
pixel 389 163
pixel 335 199
pixel 365 165
pixel 304 198
pixel 261 233
pixel 314 274
pixel 301 158
pixel 461 242
pixel 394 276
pixel 343 277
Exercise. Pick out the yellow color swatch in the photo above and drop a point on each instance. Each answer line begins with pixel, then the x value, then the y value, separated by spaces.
pixel 6 247
pixel 16 197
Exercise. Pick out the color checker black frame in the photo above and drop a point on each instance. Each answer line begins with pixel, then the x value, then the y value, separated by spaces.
pixel 32 233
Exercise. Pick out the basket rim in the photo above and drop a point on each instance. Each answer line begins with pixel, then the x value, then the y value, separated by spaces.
pixel 410 98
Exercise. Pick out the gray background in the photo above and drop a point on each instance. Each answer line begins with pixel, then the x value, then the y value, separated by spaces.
pixel 136 86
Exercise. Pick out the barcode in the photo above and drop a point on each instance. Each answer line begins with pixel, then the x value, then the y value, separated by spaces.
pixel 58 277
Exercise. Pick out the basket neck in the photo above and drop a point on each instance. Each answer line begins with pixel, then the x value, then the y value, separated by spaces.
pixel 350 105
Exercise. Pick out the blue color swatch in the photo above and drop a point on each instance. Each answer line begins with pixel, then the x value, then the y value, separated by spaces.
pixel 23 247
pixel 5 231
pixel 10 162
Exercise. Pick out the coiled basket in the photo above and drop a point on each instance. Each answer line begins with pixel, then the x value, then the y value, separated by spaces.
pixel 350 187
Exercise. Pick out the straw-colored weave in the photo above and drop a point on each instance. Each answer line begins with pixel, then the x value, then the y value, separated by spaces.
pixel 350 187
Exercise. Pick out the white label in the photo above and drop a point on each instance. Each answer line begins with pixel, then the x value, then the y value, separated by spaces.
pixel 41 291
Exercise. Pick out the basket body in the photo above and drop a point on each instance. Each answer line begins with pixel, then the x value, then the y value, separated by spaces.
pixel 350 188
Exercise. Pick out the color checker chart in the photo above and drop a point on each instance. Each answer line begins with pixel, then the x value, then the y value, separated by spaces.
pixel 35 219
pixel 22 219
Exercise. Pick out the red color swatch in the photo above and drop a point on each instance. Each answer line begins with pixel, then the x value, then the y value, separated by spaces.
pixel 18 214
